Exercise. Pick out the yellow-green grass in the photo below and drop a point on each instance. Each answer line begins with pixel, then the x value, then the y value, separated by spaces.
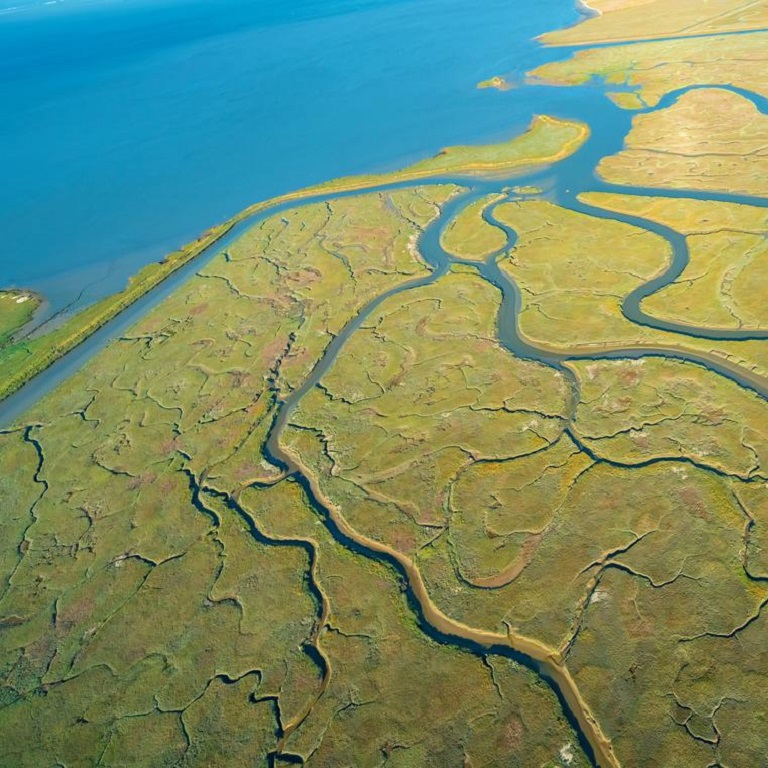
pixel 574 272
pixel 21 361
pixel 626 99
pixel 163 584
pixel 684 579
pixel 711 139
pixel 460 709
pixel 469 236
pixel 16 310
pixel 529 538
pixel 501 511
pixel 154 599
pixel 527 189
pixel 497 82
pixel 420 392
pixel 620 20
pixel 638 410
pixel 725 284
pixel 140 586
pixel 546 141
pixel 210 362
pixel 688 534
pixel 138 606
pixel 657 68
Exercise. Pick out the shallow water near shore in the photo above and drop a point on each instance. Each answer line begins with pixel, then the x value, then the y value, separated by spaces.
pixel 129 126
pixel 81 259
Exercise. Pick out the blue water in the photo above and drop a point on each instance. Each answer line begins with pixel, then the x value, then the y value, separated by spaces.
pixel 129 126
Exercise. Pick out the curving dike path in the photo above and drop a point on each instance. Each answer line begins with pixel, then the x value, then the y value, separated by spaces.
pixel 572 177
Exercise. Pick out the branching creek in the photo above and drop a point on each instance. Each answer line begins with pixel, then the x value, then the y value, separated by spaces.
pixel 545 661
pixel 566 180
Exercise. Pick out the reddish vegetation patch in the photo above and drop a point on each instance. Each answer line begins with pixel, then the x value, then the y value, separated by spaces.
pixel 168 485
pixel 238 378
pixel 38 654
pixel 368 234
pixel 714 414
pixel 305 276
pixel 170 446
pixel 630 377
pixel 402 539
pixel 642 441
pixel 691 497
pixel 141 481
pixel 300 356
pixel 76 612
pixel 483 345
pixel 511 738
pixel 639 626
pixel 623 403
pixel 273 350
pixel 246 472
pixel 198 309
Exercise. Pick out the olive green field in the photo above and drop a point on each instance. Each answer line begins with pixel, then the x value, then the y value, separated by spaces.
pixel 399 477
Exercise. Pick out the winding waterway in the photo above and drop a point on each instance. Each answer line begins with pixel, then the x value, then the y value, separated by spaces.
pixel 130 126
pixel 564 182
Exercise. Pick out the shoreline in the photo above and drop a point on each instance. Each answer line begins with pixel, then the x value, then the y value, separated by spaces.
pixel 22 305
pixel 585 11
pixel 29 357
pixel 606 34
pixel 217 474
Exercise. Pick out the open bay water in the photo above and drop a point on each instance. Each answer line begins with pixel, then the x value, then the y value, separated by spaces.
pixel 130 126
